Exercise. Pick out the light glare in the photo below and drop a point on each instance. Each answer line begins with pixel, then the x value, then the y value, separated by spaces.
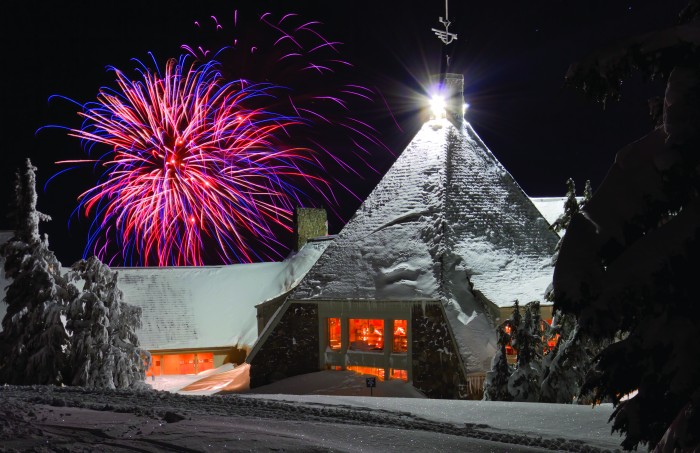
pixel 437 106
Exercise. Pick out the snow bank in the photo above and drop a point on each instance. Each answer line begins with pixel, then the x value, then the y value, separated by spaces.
pixel 338 383
pixel 586 424
pixel 33 418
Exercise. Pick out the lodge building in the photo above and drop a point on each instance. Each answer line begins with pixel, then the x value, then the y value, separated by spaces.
pixel 412 288
pixel 414 285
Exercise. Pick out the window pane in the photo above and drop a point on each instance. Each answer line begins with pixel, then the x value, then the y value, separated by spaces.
pixel 366 334
pixel 399 374
pixel 378 372
pixel 205 361
pixel 400 338
pixel 334 333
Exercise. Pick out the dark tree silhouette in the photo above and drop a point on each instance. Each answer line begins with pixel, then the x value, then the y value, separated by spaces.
pixel 623 268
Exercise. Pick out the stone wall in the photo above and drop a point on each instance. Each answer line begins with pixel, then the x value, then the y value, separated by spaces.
pixel 266 310
pixel 290 349
pixel 309 223
pixel 437 370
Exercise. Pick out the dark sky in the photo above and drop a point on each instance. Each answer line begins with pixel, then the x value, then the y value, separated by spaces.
pixel 514 55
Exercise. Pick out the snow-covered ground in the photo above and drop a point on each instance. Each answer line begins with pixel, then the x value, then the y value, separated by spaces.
pixel 339 416
pixel 74 419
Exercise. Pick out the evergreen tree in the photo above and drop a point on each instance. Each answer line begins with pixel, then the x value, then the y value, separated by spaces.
pixel 571 207
pixel 566 365
pixel 587 194
pixel 496 382
pixel 106 351
pixel 524 382
pixel 34 343
pixel 627 269
pixel 565 368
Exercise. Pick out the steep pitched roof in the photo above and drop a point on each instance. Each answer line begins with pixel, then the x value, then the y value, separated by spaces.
pixel 446 211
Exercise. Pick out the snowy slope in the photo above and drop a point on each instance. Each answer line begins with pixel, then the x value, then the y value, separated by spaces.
pixel 580 423
pixel 76 419
pixel 445 212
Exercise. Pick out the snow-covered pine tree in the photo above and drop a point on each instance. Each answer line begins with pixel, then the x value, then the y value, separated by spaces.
pixel 105 348
pixel 565 367
pixel 513 323
pixel 629 265
pixel 496 382
pixel 34 344
pixel 524 382
pixel 587 194
pixel 571 207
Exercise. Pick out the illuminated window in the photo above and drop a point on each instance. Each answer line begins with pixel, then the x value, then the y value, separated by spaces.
pixel 366 334
pixel 399 374
pixel 552 341
pixel 334 333
pixel 154 369
pixel 400 339
pixel 510 352
pixel 378 372
pixel 205 361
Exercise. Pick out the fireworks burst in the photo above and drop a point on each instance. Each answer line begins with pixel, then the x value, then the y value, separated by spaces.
pixel 202 155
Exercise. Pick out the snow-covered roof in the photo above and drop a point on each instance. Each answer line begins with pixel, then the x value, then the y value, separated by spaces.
pixel 445 194
pixel 445 211
pixel 205 307
pixel 550 207
pixel 210 306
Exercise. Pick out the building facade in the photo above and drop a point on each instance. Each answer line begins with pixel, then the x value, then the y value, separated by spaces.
pixel 416 282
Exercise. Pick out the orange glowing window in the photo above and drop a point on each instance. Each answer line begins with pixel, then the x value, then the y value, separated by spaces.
pixel 154 369
pixel 334 333
pixel 366 334
pixel 400 338
pixel 378 372
pixel 180 363
pixel 399 374
pixel 552 341
pixel 205 361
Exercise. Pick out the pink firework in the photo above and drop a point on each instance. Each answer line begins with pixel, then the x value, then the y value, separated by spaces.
pixel 201 159
pixel 193 161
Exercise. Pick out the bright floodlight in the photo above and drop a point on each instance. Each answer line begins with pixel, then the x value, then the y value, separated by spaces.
pixel 437 106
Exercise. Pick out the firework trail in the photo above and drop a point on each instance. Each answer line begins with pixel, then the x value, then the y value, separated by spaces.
pixel 289 51
pixel 200 156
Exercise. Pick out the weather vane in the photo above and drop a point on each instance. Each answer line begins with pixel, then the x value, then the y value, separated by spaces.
pixel 446 37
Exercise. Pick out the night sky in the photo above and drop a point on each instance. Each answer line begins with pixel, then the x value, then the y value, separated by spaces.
pixel 514 55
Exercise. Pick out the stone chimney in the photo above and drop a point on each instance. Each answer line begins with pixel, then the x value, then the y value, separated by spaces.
pixel 309 223
pixel 454 98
